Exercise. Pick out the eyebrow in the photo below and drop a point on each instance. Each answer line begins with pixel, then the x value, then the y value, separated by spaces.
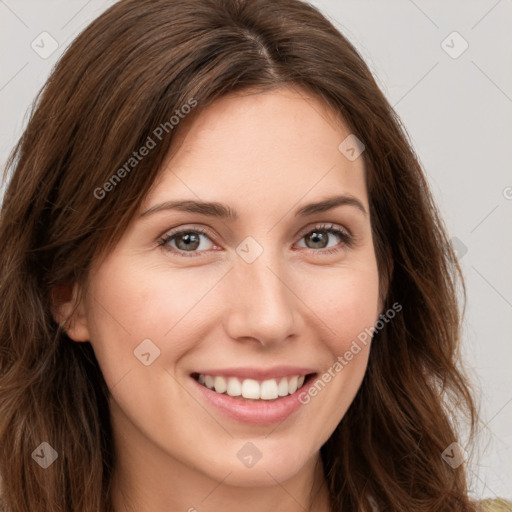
pixel 215 209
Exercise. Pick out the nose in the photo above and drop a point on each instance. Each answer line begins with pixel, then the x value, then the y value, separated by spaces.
pixel 262 306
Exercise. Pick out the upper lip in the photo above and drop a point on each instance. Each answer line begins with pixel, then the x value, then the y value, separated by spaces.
pixel 247 372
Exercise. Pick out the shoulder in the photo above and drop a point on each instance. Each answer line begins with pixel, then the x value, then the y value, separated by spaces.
pixel 497 505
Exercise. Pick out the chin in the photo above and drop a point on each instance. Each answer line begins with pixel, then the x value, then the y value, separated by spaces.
pixel 279 463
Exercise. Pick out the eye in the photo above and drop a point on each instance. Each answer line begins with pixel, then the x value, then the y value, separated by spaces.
pixel 187 242
pixel 318 237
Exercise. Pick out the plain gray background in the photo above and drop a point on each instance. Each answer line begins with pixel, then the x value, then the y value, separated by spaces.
pixel 456 104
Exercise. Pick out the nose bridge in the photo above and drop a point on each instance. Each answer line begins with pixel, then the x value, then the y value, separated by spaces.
pixel 263 305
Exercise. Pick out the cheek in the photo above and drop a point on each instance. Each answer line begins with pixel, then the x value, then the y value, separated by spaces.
pixel 130 304
pixel 344 300
pixel 347 305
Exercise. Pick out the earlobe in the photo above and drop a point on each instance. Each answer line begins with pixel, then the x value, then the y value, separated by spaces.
pixel 69 311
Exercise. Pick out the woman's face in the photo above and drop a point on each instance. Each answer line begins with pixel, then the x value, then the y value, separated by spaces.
pixel 266 294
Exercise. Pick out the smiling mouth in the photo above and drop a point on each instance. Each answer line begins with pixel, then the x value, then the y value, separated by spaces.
pixel 252 390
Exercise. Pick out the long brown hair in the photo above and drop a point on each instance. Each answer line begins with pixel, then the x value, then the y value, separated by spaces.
pixel 124 76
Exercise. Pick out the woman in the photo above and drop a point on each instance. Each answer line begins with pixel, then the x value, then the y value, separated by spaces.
pixel 224 280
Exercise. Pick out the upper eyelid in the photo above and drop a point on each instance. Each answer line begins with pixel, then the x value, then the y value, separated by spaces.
pixel 324 225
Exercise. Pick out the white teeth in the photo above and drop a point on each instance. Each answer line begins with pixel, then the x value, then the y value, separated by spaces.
pixel 282 389
pixel 234 387
pixel 250 389
pixel 208 381
pixel 270 389
pixel 219 384
pixel 292 385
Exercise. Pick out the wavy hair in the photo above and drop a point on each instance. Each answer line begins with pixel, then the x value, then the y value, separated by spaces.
pixel 128 72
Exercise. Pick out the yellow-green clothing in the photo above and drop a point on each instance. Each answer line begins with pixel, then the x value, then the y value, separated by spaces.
pixel 498 505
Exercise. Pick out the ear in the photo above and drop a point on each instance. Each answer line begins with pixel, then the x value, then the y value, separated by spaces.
pixel 68 312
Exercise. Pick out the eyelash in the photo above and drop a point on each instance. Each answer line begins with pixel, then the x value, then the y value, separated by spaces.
pixel 346 238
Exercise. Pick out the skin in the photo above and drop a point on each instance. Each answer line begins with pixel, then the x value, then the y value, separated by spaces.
pixel 265 155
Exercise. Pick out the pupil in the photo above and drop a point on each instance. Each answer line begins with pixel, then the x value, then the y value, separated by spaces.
pixel 316 238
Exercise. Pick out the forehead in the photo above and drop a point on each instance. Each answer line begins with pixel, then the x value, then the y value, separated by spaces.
pixel 261 152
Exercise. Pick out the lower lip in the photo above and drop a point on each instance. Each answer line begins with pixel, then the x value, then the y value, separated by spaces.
pixel 262 412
